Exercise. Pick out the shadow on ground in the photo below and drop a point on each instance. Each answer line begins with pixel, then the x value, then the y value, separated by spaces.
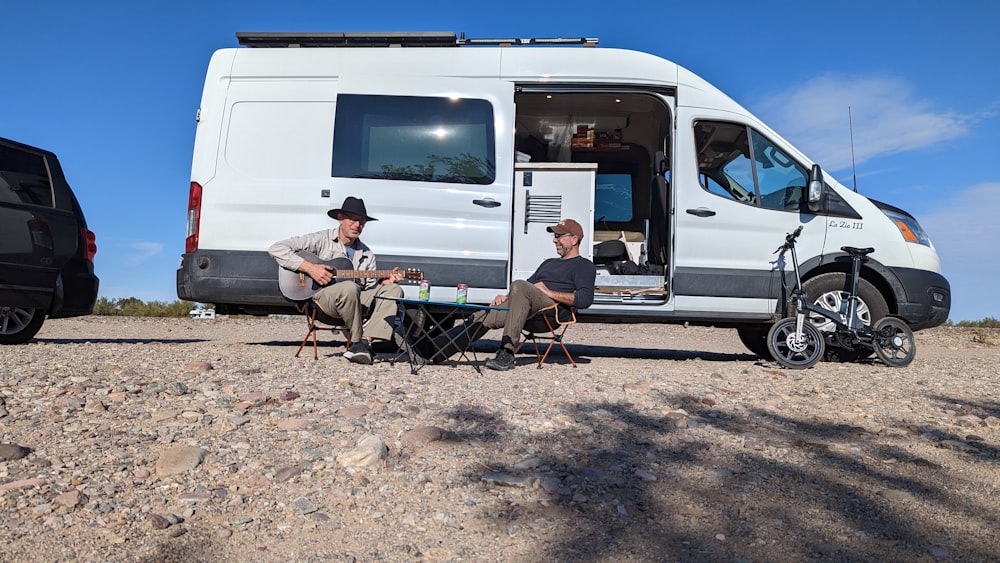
pixel 624 485
pixel 119 340
pixel 581 352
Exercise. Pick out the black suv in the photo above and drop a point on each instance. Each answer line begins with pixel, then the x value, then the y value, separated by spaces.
pixel 46 250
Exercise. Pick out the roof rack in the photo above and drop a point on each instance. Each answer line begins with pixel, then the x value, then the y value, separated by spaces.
pixel 392 39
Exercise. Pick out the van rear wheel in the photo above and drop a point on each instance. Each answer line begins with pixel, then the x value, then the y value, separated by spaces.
pixel 830 291
pixel 18 325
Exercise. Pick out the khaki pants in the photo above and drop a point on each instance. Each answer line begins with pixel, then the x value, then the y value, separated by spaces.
pixel 346 300
pixel 523 301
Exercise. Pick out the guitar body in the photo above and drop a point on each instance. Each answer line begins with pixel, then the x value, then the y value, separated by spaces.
pixel 297 286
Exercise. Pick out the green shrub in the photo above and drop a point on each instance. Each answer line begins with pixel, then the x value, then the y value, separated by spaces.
pixel 134 307
pixel 988 322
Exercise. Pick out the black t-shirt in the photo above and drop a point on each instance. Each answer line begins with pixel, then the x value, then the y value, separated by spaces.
pixel 574 275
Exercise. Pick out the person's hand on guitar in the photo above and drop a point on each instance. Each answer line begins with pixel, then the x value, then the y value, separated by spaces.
pixel 395 276
pixel 321 273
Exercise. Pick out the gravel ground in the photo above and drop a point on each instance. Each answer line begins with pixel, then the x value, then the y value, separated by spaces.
pixel 130 439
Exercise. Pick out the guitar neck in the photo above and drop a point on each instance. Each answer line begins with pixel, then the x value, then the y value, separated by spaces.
pixel 362 274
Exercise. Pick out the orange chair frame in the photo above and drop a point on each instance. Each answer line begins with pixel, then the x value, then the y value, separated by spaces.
pixel 554 331
pixel 314 315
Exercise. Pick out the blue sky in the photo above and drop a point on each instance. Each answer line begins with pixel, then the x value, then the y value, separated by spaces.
pixel 112 87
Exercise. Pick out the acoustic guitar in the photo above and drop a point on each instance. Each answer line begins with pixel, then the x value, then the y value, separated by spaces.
pixel 297 286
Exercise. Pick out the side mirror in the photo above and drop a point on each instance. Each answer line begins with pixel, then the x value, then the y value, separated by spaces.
pixel 815 197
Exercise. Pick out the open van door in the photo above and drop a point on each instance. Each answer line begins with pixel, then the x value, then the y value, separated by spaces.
pixel 733 211
pixel 433 157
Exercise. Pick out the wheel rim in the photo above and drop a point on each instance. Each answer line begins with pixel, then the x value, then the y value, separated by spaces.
pixel 836 301
pixel 894 343
pixel 793 352
pixel 13 320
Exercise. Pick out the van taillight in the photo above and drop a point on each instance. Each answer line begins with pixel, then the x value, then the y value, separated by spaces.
pixel 193 218
pixel 89 242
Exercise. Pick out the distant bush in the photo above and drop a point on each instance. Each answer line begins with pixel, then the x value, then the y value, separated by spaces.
pixel 988 322
pixel 133 307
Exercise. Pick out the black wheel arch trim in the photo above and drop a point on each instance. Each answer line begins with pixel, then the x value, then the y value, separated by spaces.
pixel 881 276
pixel 906 290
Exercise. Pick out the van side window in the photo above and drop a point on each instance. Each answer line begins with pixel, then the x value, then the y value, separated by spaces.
pixel 24 178
pixel 425 139
pixel 724 160
pixel 756 173
pixel 782 181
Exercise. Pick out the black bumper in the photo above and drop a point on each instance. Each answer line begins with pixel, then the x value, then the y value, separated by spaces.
pixel 926 298
pixel 233 281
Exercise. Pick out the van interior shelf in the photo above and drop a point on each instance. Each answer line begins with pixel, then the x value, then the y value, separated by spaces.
pixel 598 149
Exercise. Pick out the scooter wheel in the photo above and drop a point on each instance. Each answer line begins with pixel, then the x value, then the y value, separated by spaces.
pixel 793 350
pixel 893 342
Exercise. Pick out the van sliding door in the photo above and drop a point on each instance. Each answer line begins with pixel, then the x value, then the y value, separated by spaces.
pixel 433 159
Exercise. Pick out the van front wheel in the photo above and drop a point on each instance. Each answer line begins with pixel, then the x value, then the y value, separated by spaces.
pixel 830 291
pixel 18 326
pixel 754 337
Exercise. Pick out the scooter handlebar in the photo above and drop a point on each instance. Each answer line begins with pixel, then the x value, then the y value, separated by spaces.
pixel 790 239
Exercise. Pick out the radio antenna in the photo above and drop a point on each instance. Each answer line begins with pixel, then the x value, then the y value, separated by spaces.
pixel 854 169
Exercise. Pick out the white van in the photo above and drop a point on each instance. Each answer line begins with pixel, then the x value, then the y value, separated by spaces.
pixel 202 313
pixel 467 149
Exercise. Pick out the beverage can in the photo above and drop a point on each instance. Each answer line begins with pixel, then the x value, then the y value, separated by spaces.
pixel 425 290
pixel 462 295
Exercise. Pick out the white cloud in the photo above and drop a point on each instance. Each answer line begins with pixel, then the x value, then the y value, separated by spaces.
pixel 887 118
pixel 141 251
pixel 965 232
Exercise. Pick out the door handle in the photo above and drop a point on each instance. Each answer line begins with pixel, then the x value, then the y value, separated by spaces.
pixel 701 212
pixel 488 202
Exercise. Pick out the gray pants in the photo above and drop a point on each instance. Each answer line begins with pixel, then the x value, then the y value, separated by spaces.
pixel 347 301
pixel 523 301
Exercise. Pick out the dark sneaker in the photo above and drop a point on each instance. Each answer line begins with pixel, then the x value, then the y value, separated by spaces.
pixel 502 362
pixel 360 353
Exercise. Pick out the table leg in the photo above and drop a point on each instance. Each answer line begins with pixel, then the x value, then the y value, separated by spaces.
pixel 411 336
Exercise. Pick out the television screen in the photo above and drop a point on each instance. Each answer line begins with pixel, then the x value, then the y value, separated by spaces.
pixel 613 198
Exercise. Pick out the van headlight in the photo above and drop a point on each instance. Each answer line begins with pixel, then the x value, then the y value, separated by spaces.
pixel 908 227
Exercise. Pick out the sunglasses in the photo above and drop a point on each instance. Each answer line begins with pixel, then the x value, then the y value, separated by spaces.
pixel 561 235
pixel 352 217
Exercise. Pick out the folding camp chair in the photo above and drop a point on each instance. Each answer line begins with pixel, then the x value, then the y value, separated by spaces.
pixel 315 317
pixel 549 324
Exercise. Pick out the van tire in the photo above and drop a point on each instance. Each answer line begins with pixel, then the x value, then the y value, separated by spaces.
pixel 18 326
pixel 754 337
pixel 828 288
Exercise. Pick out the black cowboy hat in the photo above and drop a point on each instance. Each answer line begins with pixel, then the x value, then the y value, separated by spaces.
pixel 353 205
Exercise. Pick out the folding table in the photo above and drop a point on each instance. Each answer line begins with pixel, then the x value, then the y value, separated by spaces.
pixel 432 318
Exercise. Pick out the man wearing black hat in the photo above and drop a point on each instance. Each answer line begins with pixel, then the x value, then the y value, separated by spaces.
pixel 352 302
pixel 568 279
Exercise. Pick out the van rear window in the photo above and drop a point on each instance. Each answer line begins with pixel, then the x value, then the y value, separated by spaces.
pixel 424 139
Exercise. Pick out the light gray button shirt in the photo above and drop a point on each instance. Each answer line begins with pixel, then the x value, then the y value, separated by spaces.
pixel 326 245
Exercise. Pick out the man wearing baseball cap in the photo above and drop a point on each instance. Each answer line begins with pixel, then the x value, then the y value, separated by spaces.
pixel 568 280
